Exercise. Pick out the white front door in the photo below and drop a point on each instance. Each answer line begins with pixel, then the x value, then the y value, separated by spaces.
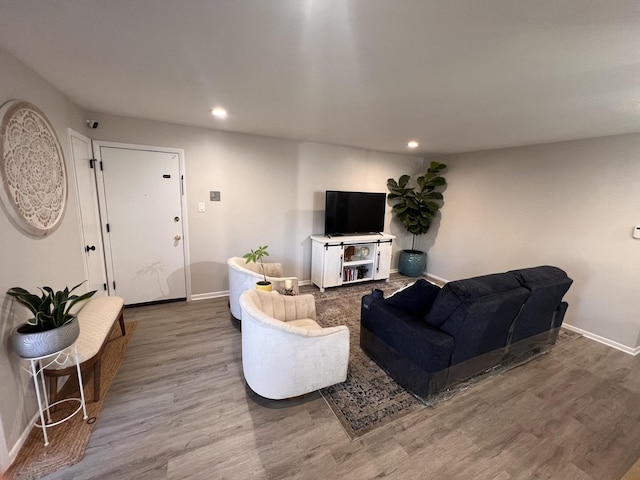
pixel 143 221
pixel 87 202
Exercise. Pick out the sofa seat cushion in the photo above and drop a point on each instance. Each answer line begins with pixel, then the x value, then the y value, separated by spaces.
pixel 426 346
pixel 416 298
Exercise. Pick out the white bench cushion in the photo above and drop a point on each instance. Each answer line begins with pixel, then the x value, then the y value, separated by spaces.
pixel 96 320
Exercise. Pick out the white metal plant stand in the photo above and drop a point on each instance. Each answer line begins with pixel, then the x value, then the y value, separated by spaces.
pixel 36 370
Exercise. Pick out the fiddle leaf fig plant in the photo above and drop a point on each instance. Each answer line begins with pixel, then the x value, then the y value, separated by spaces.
pixel 256 256
pixel 51 309
pixel 416 207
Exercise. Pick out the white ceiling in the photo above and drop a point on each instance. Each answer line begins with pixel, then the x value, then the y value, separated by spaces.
pixel 456 75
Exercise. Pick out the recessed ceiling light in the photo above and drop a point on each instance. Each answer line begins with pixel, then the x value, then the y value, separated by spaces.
pixel 219 112
pixel 412 144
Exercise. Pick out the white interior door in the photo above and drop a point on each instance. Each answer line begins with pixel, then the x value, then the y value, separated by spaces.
pixel 143 220
pixel 87 202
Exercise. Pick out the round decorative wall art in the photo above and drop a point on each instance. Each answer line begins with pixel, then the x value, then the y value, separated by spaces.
pixel 32 169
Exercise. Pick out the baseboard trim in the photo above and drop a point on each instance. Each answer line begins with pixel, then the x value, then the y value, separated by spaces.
pixel 225 293
pixel 440 279
pixel 206 296
pixel 605 341
pixel 13 453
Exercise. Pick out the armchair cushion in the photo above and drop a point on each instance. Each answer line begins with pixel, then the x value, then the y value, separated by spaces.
pixel 270 269
pixel 287 308
pixel 305 323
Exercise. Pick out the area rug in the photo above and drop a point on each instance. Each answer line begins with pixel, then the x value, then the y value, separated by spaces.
pixel 370 398
pixel 633 473
pixel 69 440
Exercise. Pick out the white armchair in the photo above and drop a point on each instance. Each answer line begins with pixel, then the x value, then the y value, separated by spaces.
pixel 285 353
pixel 243 276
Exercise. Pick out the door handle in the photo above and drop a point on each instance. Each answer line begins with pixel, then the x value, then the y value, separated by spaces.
pixel 88 248
pixel 177 237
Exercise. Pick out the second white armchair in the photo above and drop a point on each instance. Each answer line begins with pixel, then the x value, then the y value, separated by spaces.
pixel 243 276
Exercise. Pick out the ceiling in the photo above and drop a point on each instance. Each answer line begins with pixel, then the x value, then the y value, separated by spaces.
pixel 454 75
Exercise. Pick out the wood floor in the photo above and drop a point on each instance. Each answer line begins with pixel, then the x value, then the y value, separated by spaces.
pixel 179 409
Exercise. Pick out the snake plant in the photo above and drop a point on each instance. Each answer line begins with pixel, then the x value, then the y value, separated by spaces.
pixel 51 309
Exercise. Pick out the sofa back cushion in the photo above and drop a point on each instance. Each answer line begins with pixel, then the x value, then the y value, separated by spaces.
pixel 478 313
pixel 547 286
pixel 415 298
pixel 454 294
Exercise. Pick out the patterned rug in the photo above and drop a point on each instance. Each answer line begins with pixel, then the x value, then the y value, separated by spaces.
pixel 69 440
pixel 370 398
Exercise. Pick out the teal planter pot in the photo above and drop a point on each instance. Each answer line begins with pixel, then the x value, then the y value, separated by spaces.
pixel 412 263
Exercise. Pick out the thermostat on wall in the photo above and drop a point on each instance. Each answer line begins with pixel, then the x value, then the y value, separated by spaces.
pixel 636 232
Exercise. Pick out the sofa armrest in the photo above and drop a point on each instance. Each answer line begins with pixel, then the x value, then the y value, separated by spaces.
pixel 558 315
pixel 367 300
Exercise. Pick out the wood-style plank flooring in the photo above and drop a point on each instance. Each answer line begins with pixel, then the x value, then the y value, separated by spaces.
pixel 180 409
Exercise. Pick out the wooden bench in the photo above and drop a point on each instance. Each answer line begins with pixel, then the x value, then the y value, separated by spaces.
pixel 97 318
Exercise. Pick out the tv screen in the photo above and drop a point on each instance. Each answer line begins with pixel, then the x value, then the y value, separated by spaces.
pixel 349 213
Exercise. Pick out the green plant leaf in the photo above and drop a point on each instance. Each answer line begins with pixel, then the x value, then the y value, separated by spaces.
pixel 404 179
pixel 256 255
pixel 51 309
pixel 416 209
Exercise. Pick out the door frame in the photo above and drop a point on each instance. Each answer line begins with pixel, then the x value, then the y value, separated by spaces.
pixel 183 204
pixel 75 164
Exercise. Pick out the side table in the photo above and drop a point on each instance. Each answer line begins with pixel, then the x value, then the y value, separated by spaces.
pixel 286 286
pixel 37 366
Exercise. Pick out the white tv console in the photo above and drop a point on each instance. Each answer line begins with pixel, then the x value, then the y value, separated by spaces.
pixel 343 260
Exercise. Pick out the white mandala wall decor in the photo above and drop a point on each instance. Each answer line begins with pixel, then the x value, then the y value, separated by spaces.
pixel 32 169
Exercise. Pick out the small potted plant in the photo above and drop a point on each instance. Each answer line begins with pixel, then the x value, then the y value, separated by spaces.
pixel 256 256
pixel 53 327
pixel 415 208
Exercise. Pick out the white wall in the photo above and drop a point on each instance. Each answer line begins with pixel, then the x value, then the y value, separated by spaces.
pixel 272 191
pixel 55 260
pixel 570 204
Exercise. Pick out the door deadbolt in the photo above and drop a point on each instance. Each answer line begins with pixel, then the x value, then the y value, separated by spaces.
pixel 177 237
pixel 89 248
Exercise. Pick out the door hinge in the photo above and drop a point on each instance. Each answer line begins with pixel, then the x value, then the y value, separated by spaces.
pixel 114 284
pixel 101 165
pixel 181 185
pixel 91 162
pixel 108 228
pixel 104 287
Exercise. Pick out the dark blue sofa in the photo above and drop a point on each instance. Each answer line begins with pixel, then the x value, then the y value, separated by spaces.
pixel 429 338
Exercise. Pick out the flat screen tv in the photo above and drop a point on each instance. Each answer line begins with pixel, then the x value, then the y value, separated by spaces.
pixel 351 213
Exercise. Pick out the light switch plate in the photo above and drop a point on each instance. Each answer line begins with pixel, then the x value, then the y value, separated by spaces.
pixel 214 196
